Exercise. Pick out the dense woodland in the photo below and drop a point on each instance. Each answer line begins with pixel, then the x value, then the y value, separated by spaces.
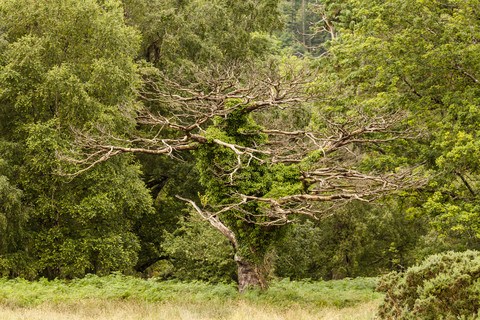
pixel 233 140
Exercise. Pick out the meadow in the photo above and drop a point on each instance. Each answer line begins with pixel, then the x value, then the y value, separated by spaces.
pixel 121 297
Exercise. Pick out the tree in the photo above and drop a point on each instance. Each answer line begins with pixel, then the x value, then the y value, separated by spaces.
pixel 298 37
pixel 194 32
pixel 358 240
pixel 65 64
pixel 423 56
pixel 177 35
pixel 255 174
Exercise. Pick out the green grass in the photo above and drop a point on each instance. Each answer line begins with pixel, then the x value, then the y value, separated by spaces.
pixel 339 293
pixel 102 297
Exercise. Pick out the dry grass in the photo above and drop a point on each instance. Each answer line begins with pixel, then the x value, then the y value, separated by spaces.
pixel 130 310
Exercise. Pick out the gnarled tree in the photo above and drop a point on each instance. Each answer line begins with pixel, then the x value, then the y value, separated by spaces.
pixel 258 172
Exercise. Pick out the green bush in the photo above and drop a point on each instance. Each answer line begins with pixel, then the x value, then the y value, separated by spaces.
pixel 444 286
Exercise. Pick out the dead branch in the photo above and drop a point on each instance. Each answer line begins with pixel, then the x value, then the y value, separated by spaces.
pixel 213 220
pixel 179 112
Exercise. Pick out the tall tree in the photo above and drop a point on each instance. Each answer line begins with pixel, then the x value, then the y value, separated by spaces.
pixel 67 64
pixel 177 36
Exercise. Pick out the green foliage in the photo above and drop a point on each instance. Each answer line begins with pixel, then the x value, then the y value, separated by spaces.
pixel 58 67
pixel 165 178
pixel 13 219
pixel 340 293
pixel 199 252
pixel 67 64
pixel 214 164
pixel 444 286
pixel 192 31
pixel 358 240
pixel 419 58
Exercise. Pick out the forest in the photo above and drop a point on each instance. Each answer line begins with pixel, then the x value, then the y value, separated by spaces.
pixel 244 143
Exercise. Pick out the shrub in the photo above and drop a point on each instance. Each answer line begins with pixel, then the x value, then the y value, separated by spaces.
pixel 444 286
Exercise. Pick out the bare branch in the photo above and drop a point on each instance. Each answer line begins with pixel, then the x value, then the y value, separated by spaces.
pixel 182 114
pixel 213 220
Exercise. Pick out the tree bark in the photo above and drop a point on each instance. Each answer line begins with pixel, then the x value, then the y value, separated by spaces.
pixel 250 275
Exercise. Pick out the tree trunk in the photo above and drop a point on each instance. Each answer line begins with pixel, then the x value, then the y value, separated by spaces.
pixel 250 275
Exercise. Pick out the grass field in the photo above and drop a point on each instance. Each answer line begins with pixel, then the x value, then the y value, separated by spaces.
pixel 119 297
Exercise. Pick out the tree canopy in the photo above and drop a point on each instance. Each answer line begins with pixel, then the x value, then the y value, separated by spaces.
pixel 67 65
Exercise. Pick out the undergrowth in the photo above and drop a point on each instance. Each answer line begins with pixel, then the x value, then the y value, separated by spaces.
pixel 284 293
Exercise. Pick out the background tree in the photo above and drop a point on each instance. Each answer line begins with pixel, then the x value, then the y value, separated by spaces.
pixel 359 239
pixel 66 64
pixel 310 25
pixel 422 56
pixel 186 32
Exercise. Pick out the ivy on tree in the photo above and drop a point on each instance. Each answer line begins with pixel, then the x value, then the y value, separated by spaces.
pixel 256 177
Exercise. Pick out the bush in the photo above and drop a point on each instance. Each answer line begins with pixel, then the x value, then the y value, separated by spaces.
pixel 444 286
